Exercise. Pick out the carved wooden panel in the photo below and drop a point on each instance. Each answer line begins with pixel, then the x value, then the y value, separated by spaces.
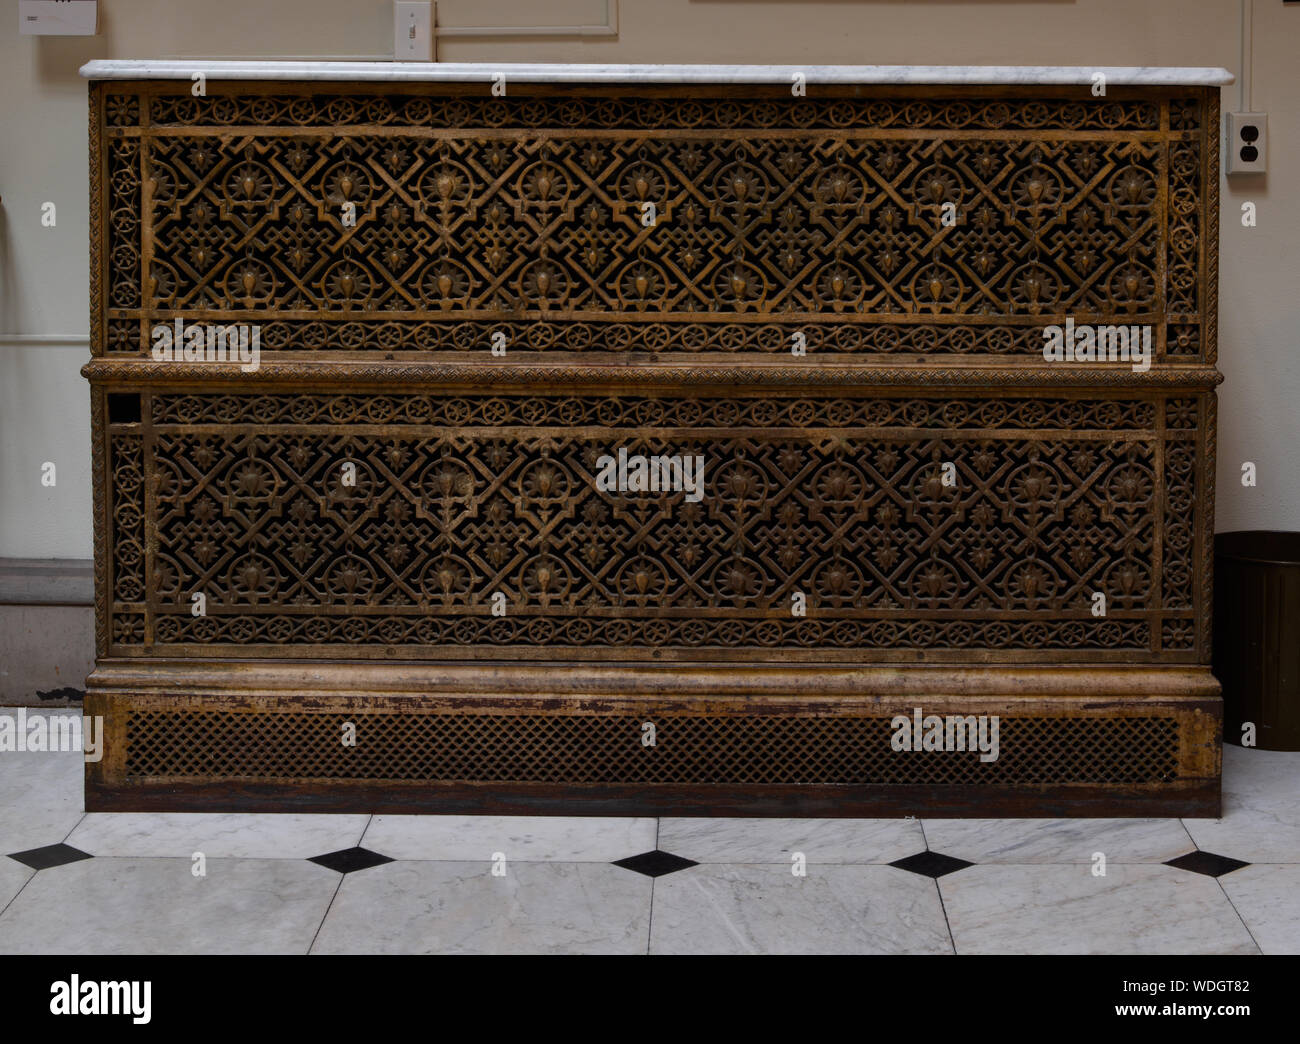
pixel 185 744
pixel 459 497
pixel 772 215
pixel 775 219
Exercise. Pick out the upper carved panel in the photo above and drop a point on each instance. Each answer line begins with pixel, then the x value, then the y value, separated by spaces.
pixel 577 222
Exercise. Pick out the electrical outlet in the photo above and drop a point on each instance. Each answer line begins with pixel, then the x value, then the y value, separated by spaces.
pixel 412 32
pixel 1246 149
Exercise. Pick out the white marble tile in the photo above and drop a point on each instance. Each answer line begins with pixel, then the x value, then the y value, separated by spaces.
pixel 13 875
pixel 566 839
pixel 1058 840
pixel 446 907
pixel 1261 808
pixel 565 72
pixel 216 835
pixel 1135 908
pixel 157 906
pixel 1267 896
pixel 854 841
pixel 41 793
pixel 719 908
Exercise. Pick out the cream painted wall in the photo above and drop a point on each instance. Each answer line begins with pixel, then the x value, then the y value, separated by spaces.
pixel 43 272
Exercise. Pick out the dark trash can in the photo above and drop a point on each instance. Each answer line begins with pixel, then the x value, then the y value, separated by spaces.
pixel 1257 635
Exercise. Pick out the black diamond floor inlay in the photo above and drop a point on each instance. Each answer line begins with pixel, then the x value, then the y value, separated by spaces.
pixel 1207 863
pixel 349 860
pixel 931 864
pixel 49 856
pixel 655 864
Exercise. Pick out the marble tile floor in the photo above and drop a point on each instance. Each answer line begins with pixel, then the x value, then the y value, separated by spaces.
pixel 72 882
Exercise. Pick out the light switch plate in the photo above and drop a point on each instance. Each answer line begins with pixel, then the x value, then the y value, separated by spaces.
pixel 58 17
pixel 1245 148
pixel 412 32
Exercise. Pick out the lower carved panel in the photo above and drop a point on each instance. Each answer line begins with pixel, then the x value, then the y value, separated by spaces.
pixel 705 750
pixel 782 746
pixel 473 525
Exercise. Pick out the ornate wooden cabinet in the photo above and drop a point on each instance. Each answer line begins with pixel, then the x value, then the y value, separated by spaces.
pixel 380 568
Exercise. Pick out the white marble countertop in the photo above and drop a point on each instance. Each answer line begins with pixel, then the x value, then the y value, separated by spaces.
pixel 462 72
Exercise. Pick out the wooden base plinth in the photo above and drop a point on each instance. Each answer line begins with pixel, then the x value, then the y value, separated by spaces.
pixel 651 740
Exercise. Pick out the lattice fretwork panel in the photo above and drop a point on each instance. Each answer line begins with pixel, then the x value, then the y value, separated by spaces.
pixel 459 504
pixel 752 749
pixel 770 215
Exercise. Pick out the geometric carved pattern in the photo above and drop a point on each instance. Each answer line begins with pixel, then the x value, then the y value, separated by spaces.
pixel 820 223
pixel 818 219
pixel 128 520
pixel 639 411
pixel 574 111
pixel 124 224
pixel 1184 234
pixel 821 226
pixel 750 749
pixel 645 337
pixel 457 499
pixel 1063 207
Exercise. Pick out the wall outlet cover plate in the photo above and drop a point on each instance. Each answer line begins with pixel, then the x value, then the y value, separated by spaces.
pixel 1245 146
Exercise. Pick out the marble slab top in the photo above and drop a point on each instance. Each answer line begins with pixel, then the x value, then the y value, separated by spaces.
pixel 470 72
